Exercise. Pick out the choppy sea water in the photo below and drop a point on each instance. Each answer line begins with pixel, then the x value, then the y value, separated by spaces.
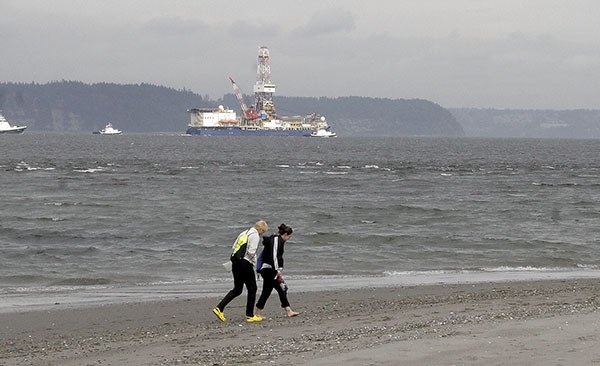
pixel 94 217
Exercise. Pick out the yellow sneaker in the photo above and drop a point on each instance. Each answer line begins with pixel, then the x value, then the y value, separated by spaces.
pixel 254 319
pixel 219 314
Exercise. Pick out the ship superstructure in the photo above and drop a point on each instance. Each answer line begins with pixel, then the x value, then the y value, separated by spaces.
pixel 208 117
pixel 258 119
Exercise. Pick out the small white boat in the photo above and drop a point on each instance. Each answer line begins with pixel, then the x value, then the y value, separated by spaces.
pixel 109 130
pixel 5 127
pixel 323 132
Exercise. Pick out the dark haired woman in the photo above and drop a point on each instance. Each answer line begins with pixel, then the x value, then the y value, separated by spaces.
pixel 272 270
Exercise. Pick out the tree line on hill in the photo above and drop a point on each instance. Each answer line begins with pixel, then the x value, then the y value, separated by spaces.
pixel 76 107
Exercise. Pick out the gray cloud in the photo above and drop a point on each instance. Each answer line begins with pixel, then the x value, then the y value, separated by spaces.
pixel 174 26
pixel 479 58
pixel 256 29
pixel 327 22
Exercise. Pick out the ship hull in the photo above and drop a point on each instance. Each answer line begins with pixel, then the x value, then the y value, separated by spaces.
pixel 238 131
pixel 14 130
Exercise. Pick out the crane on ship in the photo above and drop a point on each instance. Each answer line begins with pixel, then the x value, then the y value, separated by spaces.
pixel 249 113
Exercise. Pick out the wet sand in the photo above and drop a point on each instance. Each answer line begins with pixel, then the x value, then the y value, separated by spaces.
pixel 514 323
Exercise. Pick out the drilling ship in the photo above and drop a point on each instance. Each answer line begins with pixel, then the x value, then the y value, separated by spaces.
pixel 260 119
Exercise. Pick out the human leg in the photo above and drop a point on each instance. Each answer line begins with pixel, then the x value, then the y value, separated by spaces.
pixel 282 295
pixel 238 285
pixel 250 282
pixel 267 275
pixel 285 304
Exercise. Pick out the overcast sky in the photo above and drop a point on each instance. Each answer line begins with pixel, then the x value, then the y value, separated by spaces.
pixel 457 53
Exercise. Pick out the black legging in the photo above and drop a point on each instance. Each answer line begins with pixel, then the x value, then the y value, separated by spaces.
pixel 243 274
pixel 270 283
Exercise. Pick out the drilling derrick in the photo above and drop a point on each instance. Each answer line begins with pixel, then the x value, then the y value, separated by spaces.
pixel 264 88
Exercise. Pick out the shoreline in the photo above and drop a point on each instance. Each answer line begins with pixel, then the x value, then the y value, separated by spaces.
pixel 90 296
pixel 517 322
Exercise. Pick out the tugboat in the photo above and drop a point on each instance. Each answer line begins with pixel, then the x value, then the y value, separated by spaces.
pixel 109 130
pixel 323 132
pixel 5 127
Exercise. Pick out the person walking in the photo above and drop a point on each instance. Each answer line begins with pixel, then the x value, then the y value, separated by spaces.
pixel 243 261
pixel 272 270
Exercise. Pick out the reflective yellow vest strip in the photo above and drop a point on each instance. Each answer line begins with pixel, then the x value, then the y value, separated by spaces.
pixel 241 241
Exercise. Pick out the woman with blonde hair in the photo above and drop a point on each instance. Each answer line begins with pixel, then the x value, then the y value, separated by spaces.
pixel 243 261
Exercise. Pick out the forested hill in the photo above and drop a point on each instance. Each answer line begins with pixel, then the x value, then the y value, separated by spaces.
pixel 75 107
pixel 363 116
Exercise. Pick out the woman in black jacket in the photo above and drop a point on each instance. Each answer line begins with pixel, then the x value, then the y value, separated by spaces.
pixel 272 270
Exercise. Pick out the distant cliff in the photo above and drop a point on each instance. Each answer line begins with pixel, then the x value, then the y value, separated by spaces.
pixel 75 107
pixel 577 123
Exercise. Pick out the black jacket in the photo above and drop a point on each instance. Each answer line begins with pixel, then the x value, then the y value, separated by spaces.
pixel 273 252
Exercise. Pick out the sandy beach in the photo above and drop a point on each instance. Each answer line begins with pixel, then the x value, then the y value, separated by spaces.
pixel 513 323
